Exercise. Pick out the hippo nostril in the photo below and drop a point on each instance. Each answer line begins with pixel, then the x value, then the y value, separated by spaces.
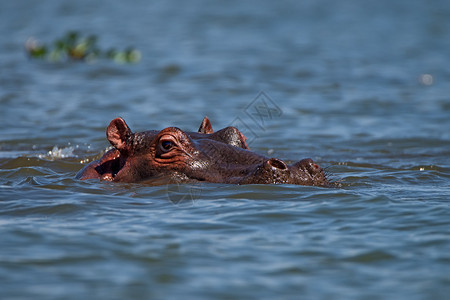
pixel 276 163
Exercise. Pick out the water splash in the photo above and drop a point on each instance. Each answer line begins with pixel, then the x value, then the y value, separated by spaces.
pixel 59 153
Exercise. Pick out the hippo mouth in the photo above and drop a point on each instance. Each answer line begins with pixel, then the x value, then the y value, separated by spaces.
pixel 110 165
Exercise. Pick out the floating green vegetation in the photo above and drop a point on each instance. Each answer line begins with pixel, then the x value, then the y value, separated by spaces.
pixel 73 47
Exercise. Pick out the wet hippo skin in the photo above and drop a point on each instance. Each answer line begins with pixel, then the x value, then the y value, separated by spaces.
pixel 173 155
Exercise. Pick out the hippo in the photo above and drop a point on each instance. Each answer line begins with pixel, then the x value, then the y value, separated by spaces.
pixel 173 156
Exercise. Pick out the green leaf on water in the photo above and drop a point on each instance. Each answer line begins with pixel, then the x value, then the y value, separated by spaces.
pixel 73 46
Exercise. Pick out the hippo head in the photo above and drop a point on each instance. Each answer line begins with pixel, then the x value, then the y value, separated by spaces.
pixel 173 155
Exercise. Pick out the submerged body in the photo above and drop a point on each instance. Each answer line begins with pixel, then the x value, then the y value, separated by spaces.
pixel 172 155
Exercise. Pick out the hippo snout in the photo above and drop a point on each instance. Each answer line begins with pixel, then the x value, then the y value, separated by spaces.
pixel 310 166
pixel 309 173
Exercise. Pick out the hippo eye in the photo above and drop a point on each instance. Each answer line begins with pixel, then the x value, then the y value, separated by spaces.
pixel 166 145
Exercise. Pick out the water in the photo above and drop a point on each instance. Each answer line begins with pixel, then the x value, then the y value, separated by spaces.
pixel 362 88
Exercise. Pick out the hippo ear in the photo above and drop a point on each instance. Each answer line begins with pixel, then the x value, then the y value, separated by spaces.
pixel 205 127
pixel 118 133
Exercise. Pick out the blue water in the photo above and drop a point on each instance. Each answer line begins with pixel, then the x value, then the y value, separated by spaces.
pixel 361 87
